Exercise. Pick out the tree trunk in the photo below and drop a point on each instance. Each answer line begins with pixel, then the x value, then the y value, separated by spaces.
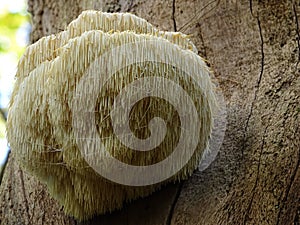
pixel 254 50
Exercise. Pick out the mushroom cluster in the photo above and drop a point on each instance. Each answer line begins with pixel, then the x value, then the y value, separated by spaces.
pixel 80 74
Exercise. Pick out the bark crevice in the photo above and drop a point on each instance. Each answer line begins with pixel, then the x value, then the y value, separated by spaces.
pixel 199 15
pixel 297 32
pixel 289 186
pixel 171 212
pixel 256 179
pixel 173 15
pixel 251 7
pixel 257 86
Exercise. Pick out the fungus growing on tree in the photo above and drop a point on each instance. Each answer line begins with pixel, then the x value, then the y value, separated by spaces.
pixel 92 73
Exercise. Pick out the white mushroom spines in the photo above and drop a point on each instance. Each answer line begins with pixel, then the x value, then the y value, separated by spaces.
pixel 60 82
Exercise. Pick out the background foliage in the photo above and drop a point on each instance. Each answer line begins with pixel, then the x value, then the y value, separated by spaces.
pixel 14 32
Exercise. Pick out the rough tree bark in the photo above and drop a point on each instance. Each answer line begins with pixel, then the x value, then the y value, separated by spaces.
pixel 254 49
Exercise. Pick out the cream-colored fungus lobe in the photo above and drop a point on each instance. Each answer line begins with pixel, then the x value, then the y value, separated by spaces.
pixel 39 127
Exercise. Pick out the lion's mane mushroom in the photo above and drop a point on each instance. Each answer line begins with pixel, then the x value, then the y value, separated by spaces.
pixel 40 129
